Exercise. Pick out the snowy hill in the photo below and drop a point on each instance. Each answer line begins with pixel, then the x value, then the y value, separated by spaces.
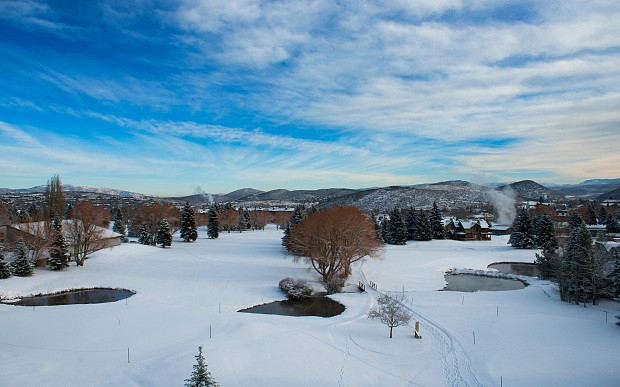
pixel 74 188
pixel 531 190
pixel 446 196
pixel 589 189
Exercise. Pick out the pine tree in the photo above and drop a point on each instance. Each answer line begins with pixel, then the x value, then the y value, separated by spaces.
pixel 145 237
pixel 213 226
pixel 548 262
pixel 424 227
pixel 411 223
pixel 58 251
pixel 578 261
pixel 385 229
pixel 615 278
pixel 437 223
pixel 574 220
pixel 164 236
pixel 602 215
pixel 21 266
pixel 611 225
pixel 544 232
pixel 119 223
pixel 591 214
pixel 5 271
pixel 522 235
pixel 398 230
pixel 200 376
pixel 188 228
pixel 296 218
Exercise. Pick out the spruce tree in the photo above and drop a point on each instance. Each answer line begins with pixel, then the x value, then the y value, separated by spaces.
pixel 213 226
pixel 548 262
pixel 602 215
pixel 578 264
pixel 145 237
pixel 21 266
pixel 164 236
pixel 296 218
pixel 591 214
pixel 58 251
pixel 424 225
pixel 398 230
pixel 416 233
pixel 119 223
pixel 410 223
pixel 437 223
pixel 615 278
pixel 611 225
pixel 385 230
pixel 5 271
pixel 189 232
pixel 200 377
pixel 521 236
pixel 574 220
pixel 545 232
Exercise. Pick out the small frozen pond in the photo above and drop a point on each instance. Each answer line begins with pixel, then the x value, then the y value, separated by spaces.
pixel 315 306
pixel 528 269
pixel 84 296
pixel 474 283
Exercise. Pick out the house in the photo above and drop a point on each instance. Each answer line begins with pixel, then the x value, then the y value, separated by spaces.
pixel 468 230
pixel 500 229
pixel 35 234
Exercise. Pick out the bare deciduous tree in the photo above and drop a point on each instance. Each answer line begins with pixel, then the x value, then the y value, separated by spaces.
pixel 332 240
pixel 259 219
pixel 391 311
pixel 228 219
pixel 151 216
pixel 85 229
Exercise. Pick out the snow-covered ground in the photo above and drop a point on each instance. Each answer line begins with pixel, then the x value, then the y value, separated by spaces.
pixel 188 296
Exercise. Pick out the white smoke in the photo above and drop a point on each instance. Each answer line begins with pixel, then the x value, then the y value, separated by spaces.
pixel 504 203
pixel 207 196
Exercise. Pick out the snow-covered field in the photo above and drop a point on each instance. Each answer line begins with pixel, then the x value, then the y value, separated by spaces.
pixel 188 296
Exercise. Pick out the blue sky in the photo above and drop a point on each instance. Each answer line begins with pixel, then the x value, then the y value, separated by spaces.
pixel 163 97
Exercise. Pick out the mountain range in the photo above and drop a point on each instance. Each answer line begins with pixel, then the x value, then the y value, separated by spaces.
pixel 447 194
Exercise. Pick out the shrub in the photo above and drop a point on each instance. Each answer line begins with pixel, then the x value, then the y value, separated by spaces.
pixel 295 289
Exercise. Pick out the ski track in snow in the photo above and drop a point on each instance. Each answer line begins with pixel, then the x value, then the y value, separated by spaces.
pixel 457 368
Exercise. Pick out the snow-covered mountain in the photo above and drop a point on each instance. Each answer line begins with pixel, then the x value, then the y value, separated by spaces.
pixel 74 188
pixel 531 190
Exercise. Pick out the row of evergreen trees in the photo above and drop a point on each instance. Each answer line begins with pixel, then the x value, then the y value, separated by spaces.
pixel 397 229
pixel 536 232
pixel 584 272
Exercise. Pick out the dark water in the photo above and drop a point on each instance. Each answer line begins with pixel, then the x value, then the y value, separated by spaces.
pixel 87 296
pixel 315 306
pixel 474 283
pixel 528 269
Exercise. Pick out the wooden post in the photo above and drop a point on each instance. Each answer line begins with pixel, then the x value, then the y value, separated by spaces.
pixel 209 330
pixel 128 355
pixel 474 337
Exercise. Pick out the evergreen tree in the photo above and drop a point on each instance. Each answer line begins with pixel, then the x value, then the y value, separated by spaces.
pixel 58 251
pixel 611 225
pixel 425 232
pixel 398 230
pixel 385 230
pixel 437 223
pixel 416 233
pixel 602 215
pixel 145 237
pixel 615 278
pixel 213 226
pixel 544 232
pixel 200 376
pixel 574 220
pixel 522 235
pixel 296 218
pixel 119 223
pixel 164 236
pixel 5 271
pixel 548 262
pixel 189 232
pixel 21 266
pixel 578 264
pixel 243 220
pixel 591 214
pixel 410 223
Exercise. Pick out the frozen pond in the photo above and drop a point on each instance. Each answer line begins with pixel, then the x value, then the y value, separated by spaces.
pixel 528 269
pixel 84 296
pixel 315 306
pixel 474 283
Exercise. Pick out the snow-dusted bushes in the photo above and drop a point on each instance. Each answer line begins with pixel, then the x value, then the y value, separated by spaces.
pixel 295 289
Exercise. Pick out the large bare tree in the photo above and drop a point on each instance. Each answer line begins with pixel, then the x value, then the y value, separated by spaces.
pixel 54 199
pixel 85 228
pixel 332 240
